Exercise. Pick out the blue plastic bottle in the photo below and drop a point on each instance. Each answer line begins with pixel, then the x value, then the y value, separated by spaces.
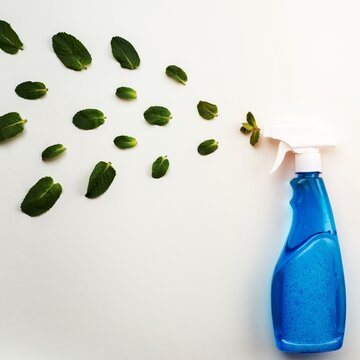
pixel 308 288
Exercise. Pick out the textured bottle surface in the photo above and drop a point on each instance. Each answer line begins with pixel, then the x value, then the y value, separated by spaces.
pixel 308 288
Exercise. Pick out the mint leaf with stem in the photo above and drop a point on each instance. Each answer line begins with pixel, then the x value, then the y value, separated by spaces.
pixel 9 40
pixel 41 197
pixel 250 127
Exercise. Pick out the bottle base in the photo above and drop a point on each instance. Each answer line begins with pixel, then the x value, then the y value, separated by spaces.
pixel 288 346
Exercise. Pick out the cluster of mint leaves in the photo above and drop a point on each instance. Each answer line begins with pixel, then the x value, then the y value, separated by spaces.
pixel 251 127
pixel 74 55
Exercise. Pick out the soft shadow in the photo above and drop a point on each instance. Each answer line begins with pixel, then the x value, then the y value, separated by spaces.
pixel 304 355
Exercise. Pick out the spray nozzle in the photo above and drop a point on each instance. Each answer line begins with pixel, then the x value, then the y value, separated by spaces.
pixel 304 141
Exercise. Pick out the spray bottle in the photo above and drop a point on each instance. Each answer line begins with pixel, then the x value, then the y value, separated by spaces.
pixel 308 289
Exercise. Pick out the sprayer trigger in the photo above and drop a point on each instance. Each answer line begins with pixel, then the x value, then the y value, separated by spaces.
pixel 282 150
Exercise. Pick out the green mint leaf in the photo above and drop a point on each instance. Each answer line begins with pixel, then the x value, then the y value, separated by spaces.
pixel 11 124
pixel 126 93
pixel 244 130
pixel 157 115
pixel 125 142
pixel 247 126
pixel 31 90
pixel 159 167
pixel 124 53
pixel 176 73
pixel 250 119
pixel 254 137
pixel 207 147
pixel 53 151
pixel 100 179
pixel 88 119
pixel 41 197
pixel 71 52
pixel 9 40
pixel 207 110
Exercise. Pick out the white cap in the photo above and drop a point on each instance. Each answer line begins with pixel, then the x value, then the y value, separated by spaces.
pixel 305 141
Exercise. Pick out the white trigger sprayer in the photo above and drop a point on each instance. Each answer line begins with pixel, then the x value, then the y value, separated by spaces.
pixel 304 141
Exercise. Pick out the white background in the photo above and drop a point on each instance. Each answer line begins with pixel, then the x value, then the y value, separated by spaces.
pixel 177 268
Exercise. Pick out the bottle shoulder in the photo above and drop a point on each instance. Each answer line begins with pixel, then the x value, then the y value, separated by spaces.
pixel 312 213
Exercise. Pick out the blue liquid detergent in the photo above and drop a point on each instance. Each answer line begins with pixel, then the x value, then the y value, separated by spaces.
pixel 308 287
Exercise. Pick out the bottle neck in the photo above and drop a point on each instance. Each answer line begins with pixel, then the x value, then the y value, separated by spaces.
pixel 308 161
pixel 308 175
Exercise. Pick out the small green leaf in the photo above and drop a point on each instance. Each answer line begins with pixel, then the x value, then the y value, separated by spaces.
pixel 126 93
pixel 88 119
pixel 9 40
pixel 100 179
pixel 53 151
pixel 254 137
pixel 244 130
pixel 125 142
pixel 71 51
pixel 250 119
pixel 159 167
pixel 11 124
pixel 207 147
pixel 176 73
pixel 247 126
pixel 124 53
pixel 31 90
pixel 207 110
pixel 157 115
pixel 41 197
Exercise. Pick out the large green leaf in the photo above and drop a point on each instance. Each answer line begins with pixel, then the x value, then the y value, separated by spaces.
pixel 71 52
pixel 41 197
pixel 160 167
pixel 88 119
pixel 53 151
pixel 125 53
pixel 100 179
pixel 126 93
pixel 207 110
pixel 9 40
pixel 125 142
pixel 31 90
pixel 157 115
pixel 11 124
pixel 207 147
pixel 177 74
